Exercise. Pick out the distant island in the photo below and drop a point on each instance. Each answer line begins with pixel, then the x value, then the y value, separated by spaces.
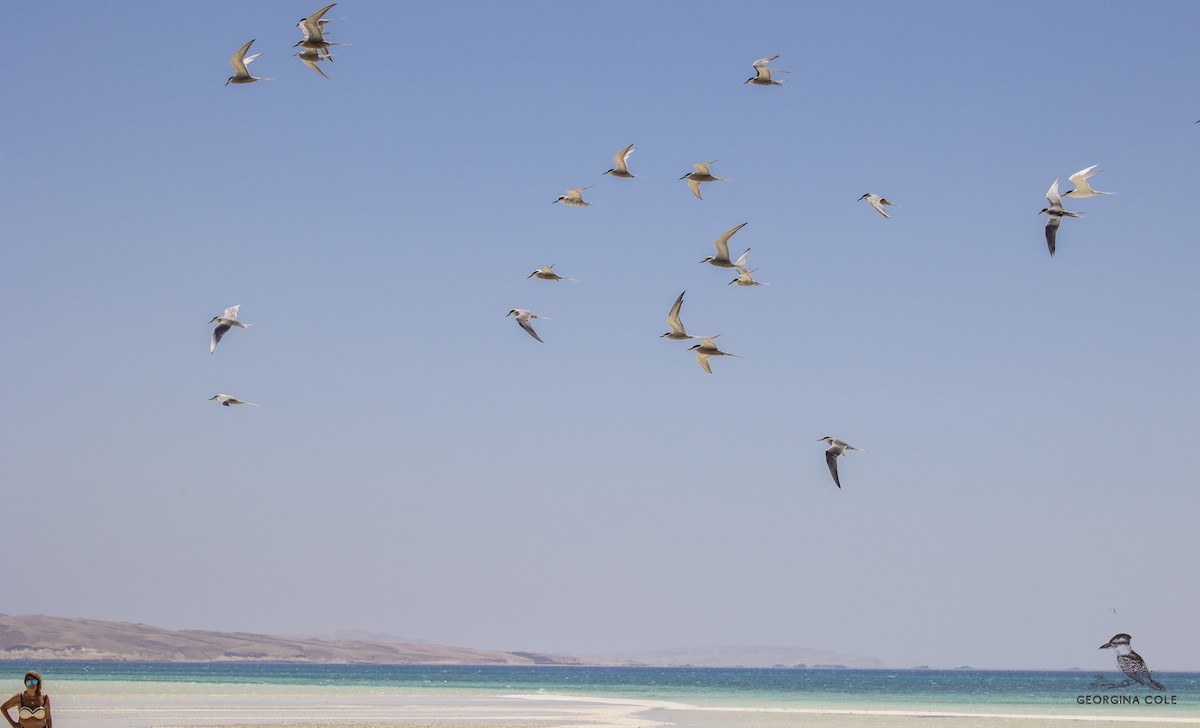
pixel 38 637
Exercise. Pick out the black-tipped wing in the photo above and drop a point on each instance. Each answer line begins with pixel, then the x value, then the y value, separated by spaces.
pixel 831 460
pixel 1052 231
pixel 525 325
pixel 216 337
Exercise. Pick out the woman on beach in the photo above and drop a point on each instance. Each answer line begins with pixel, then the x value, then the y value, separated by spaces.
pixel 33 706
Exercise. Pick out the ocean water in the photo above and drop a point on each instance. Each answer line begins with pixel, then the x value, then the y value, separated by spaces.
pixel 1012 693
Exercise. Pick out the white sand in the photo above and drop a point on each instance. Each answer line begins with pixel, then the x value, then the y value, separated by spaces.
pixel 195 706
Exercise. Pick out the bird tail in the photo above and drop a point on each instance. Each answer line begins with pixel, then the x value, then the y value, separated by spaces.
pixel 1155 684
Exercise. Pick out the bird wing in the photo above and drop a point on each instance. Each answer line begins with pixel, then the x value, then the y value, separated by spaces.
pixel 702 360
pixel 703 168
pixel 673 321
pixel 740 263
pixel 232 312
pixel 620 160
pixel 1052 231
pixel 577 194
pixel 313 65
pixel 216 337
pixel 1079 177
pixel 875 203
pixel 529 328
pixel 709 343
pixel 238 61
pixel 764 61
pixel 312 24
pixel 831 456
pixel 694 186
pixel 1052 195
pixel 764 73
pixel 722 241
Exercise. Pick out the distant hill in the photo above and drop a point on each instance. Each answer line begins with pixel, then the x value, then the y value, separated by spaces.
pixel 748 656
pixel 58 638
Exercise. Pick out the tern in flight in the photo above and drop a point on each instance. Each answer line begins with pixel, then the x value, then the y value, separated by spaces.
pixel 621 163
pixel 1082 188
pixel 721 259
pixel 523 318
pixel 677 331
pixel 224 323
pixel 746 278
pixel 548 274
pixel 1056 213
pixel 762 74
pixel 878 202
pixel 701 175
pixel 239 61
pixel 313 28
pixel 836 449
pixel 574 197
pixel 228 399
pixel 705 349
pixel 311 58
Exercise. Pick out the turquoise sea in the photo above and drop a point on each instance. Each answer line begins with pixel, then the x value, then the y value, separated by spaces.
pixel 953 691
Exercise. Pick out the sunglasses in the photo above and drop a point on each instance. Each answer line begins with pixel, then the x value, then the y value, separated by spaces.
pixel 31 681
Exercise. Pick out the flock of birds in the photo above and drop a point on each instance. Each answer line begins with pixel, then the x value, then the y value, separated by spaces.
pixel 315 49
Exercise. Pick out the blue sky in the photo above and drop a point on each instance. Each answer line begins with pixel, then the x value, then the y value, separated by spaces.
pixel 420 466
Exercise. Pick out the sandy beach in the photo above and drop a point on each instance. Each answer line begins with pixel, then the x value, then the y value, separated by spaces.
pixel 195 706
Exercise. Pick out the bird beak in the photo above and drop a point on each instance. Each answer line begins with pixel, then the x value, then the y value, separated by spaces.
pixel 1107 645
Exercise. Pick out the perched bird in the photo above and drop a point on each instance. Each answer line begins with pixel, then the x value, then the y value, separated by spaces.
pixel 621 163
pixel 700 175
pixel 677 332
pixel 707 348
pixel 1130 662
pixel 1082 188
pixel 311 58
pixel 548 274
pixel 836 448
pixel 224 322
pixel 746 278
pixel 523 318
pixel 878 202
pixel 721 259
pixel 762 74
pixel 574 198
pixel 239 61
pixel 228 399
pixel 1056 213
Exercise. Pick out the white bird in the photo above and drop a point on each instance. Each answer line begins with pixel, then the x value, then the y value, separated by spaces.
pixel 762 74
pixel 701 175
pixel 621 163
pixel 523 318
pixel 878 202
pixel 746 278
pixel 228 399
pixel 224 322
pixel 1056 213
pixel 239 62
pixel 548 274
pixel 677 331
pixel 574 197
pixel 1082 188
pixel 705 349
pixel 311 58
pixel 837 448
pixel 721 259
